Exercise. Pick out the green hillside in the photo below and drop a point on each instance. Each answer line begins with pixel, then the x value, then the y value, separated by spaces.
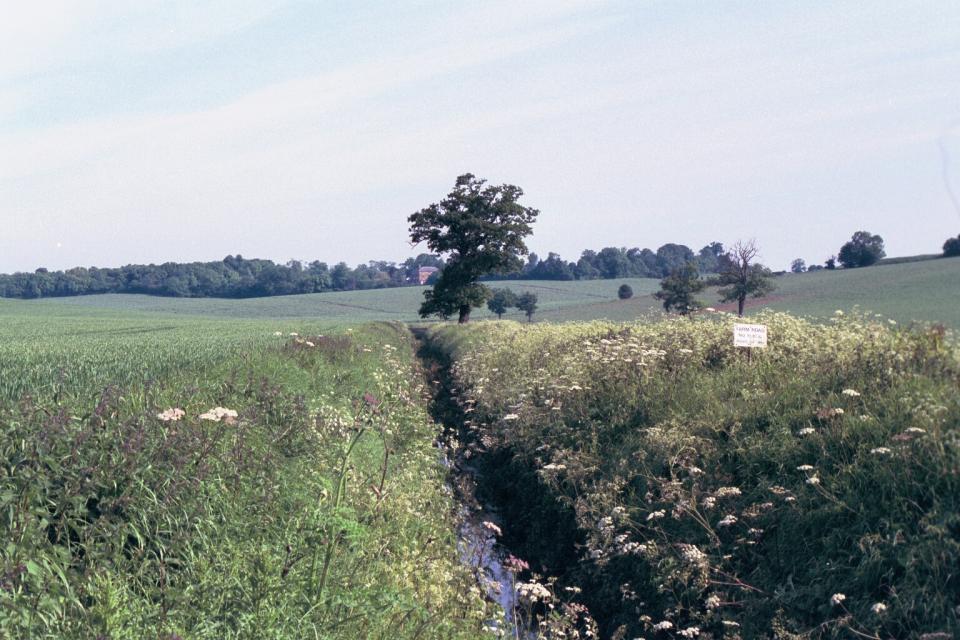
pixel 925 291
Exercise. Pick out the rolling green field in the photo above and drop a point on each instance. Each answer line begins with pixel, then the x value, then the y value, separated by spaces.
pixel 322 506
pixel 925 291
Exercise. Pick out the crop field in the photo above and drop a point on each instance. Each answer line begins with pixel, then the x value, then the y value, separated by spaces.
pixel 924 291
pixel 678 488
pixel 177 477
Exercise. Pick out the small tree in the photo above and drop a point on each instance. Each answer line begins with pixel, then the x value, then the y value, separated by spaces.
pixel 741 278
pixel 500 301
pixel 678 289
pixel 625 292
pixel 951 247
pixel 481 228
pixel 830 263
pixel 798 266
pixel 862 250
pixel 527 302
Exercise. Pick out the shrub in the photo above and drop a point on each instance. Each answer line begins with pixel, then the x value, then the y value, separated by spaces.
pixel 951 247
pixel 625 292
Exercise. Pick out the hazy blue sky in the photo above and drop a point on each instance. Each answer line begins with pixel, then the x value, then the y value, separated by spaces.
pixel 155 131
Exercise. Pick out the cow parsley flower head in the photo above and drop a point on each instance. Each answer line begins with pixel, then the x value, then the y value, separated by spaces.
pixel 724 492
pixel 852 393
pixel 219 413
pixel 172 415
pixel 837 598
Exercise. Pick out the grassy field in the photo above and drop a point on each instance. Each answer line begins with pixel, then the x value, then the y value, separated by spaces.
pixel 312 503
pixel 926 291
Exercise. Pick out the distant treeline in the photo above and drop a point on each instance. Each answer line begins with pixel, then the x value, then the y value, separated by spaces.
pixel 238 277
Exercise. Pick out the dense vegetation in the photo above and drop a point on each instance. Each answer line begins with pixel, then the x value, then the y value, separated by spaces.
pixel 238 277
pixel 676 487
pixel 174 478
pixel 233 277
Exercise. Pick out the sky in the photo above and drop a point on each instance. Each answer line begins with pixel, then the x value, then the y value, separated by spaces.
pixel 184 130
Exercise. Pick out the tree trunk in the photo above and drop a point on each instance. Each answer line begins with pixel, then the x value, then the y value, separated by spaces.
pixel 741 302
pixel 464 314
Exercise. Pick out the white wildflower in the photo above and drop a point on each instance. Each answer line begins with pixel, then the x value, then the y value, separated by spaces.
pixel 713 602
pixel 806 431
pixel 692 554
pixel 663 626
pixel 727 521
pixel 878 608
pixel 689 632
pixel 219 413
pixel 851 393
pixel 492 528
pixel 171 415
pixel 656 515
pixel 532 592
pixel 724 492
pixel 880 451
pixel 511 416
pixel 813 480
pixel 837 598
pixel 805 467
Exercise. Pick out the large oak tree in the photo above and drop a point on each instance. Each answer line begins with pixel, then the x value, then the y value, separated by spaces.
pixel 481 229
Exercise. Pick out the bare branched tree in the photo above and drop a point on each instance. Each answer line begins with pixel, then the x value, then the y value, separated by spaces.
pixel 741 277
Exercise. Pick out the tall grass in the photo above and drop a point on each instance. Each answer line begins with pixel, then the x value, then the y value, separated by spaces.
pixel 119 521
pixel 812 490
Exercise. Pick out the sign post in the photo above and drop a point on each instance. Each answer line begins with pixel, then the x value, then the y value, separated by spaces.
pixel 750 337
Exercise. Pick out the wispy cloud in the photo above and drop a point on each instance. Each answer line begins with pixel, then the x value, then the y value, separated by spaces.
pixel 613 116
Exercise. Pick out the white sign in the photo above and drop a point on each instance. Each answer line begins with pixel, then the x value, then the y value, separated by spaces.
pixel 750 335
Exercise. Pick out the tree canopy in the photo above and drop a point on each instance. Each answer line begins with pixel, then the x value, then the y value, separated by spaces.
pixel 527 302
pixel 863 250
pixel 678 290
pixel 951 247
pixel 481 230
pixel 501 300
